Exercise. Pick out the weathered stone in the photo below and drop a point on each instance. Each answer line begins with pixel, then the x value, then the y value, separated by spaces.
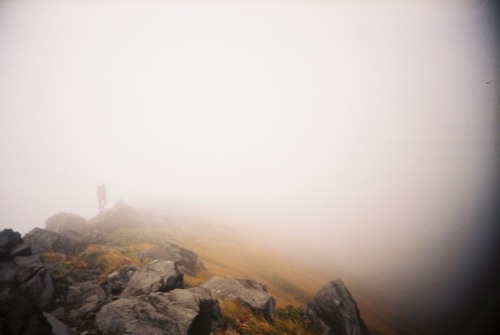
pixel 66 221
pixel 117 281
pixel 67 242
pixel 87 295
pixel 58 328
pixel 8 240
pixel 78 297
pixel 26 276
pixel 157 276
pixel 179 312
pixel 335 311
pixel 186 260
pixel 19 316
pixel 20 249
pixel 251 293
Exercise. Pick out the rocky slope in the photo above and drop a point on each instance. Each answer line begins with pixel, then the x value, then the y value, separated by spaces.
pixel 117 274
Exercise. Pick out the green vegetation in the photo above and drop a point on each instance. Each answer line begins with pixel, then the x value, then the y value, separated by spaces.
pixel 287 321
pixel 61 263
pixel 109 258
pixel 104 258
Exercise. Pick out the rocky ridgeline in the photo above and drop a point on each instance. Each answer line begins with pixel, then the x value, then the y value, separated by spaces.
pixel 131 300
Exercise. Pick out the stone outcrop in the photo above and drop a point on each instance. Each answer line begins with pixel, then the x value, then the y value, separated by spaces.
pixel 25 287
pixel 22 273
pixel 179 312
pixel 66 222
pixel 58 328
pixel 12 245
pixel 250 292
pixel 335 311
pixel 67 242
pixel 18 316
pixel 120 216
pixel 186 260
pixel 157 276
pixel 117 281
pixel 78 297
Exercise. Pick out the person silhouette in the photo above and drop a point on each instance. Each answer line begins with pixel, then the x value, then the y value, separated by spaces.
pixel 101 196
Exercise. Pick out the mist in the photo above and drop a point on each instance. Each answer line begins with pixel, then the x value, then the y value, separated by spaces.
pixel 356 136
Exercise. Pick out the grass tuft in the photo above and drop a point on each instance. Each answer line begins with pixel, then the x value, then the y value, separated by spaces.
pixel 240 320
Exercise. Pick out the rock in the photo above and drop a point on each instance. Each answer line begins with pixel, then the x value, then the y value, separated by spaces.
pixel 22 273
pixel 73 291
pixel 20 249
pixel 117 281
pixel 251 292
pixel 78 297
pixel 19 316
pixel 179 312
pixel 58 328
pixel 9 241
pixel 157 276
pixel 120 216
pixel 66 221
pixel 27 277
pixel 67 242
pixel 335 311
pixel 186 260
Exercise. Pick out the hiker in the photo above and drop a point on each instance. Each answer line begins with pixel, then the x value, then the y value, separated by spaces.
pixel 101 196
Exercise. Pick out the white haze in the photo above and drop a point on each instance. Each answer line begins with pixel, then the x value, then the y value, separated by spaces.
pixel 360 133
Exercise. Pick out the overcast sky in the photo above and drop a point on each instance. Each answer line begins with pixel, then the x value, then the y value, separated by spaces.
pixel 367 129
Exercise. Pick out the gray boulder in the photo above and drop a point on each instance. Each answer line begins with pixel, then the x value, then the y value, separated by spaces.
pixel 86 296
pixel 26 276
pixel 20 316
pixel 78 297
pixel 58 328
pixel 12 245
pixel 117 281
pixel 22 274
pixel 179 312
pixel 334 311
pixel 250 292
pixel 157 276
pixel 67 242
pixel 66 221
pixel 186 260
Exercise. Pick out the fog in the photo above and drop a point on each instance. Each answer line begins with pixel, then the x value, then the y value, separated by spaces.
pixel 355 134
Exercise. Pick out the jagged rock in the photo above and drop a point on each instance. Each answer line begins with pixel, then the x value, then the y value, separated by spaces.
pixel 88 295
pixel 186 260
pixel 117 281
pixel 26 276
pixel 19 316
pixel 78 297
pixel 179 312
pixel 157 276
pixel 66 221
pixel 22 273
pixel 74 289
pixel 67 242
pixel 58 328
pixel 12 245
pixel 21 249
pixel 335 311
pixel 251 292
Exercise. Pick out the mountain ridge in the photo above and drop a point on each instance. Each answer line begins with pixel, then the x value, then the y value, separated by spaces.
pixel 127 236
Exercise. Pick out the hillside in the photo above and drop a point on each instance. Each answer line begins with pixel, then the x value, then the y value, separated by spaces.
pixel 84 258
